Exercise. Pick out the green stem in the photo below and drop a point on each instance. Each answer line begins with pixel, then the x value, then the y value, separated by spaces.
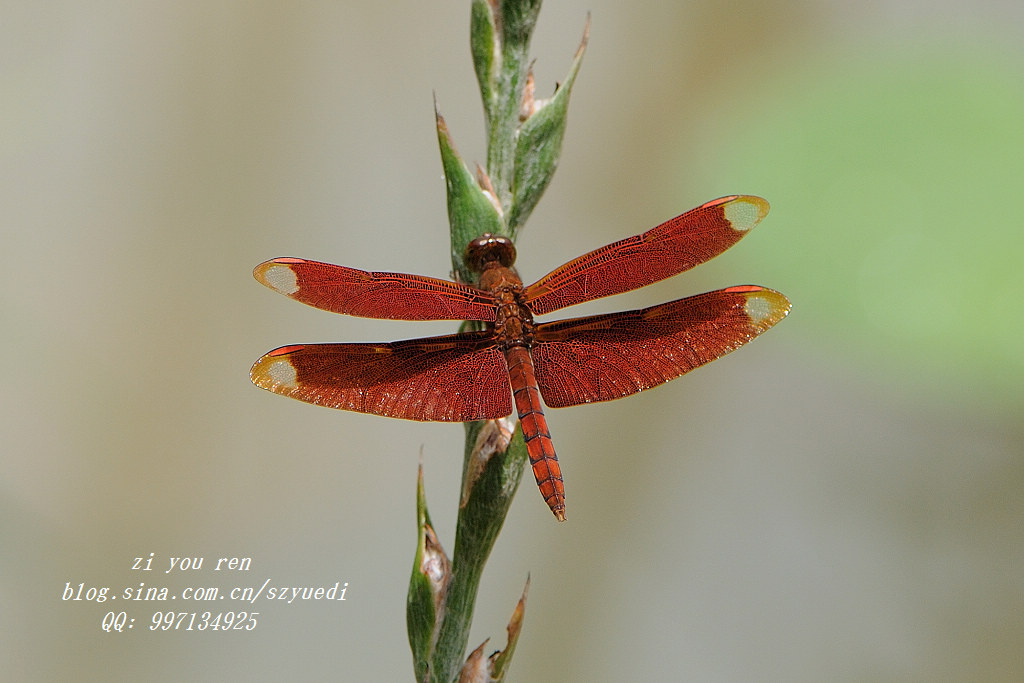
pixel 480 520
pixel 524 143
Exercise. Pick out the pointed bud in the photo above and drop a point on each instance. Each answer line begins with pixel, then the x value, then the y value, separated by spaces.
pixel 471 212
pixel 428 588
pixel 500 661
pixel 539 144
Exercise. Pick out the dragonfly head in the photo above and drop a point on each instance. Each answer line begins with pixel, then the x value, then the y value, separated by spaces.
pixel 488 251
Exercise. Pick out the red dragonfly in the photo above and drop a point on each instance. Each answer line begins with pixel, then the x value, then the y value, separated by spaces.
pixel 513 361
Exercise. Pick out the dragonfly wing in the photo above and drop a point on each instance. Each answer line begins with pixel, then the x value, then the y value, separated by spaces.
pixel 602 357
pixel 374 295
pixel 454 378
pixel 672 247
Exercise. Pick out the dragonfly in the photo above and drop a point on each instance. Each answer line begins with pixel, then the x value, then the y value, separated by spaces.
pixel 513 362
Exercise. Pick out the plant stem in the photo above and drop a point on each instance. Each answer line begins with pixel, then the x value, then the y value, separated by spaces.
pixel 524 142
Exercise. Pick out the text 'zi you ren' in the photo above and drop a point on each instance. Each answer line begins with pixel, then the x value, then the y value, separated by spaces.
pixel 241 564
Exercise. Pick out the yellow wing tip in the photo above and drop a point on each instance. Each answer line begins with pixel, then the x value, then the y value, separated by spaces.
pixel 277 275
pixel 765 307
pixel 745 211
pixel 274 373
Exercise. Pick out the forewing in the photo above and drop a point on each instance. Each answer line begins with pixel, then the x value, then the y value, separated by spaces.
pixel 602 357
pixel 674 246
pixel 374 295
pixel 454 378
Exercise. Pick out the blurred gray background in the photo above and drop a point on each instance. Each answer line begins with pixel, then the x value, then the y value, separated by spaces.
pixel 842 500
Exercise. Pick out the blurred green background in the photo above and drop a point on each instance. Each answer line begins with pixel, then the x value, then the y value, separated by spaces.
pixel 842 500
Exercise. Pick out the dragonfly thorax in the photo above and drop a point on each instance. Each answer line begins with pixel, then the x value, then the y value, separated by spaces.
pixel 513 321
